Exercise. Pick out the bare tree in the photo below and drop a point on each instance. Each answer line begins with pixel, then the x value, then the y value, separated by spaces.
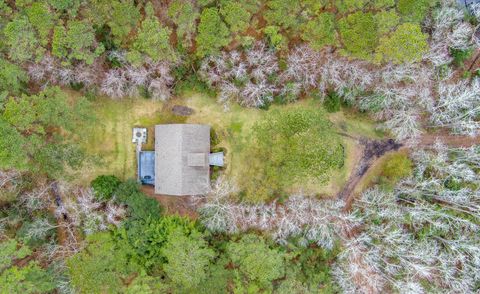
pixel 458 107
pixel 313 220
pixel 247 78
pixel 421 232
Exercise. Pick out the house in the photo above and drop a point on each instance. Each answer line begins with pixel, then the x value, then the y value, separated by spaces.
pixel 180 164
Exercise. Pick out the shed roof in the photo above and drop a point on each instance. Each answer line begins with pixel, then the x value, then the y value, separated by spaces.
pixel 146 167
pixel 181 154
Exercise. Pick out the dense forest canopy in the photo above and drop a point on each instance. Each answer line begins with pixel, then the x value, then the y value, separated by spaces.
pixel 350 130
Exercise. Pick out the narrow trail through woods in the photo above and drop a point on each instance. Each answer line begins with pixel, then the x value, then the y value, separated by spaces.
pixel 375 150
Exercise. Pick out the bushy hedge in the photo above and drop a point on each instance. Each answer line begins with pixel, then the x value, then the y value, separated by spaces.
pixel 104 186
pixel 139 205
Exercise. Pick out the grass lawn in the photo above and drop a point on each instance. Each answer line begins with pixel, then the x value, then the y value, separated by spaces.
pixel 114 153
pixel 110 140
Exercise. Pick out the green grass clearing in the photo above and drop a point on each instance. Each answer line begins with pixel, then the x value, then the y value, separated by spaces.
pixel 110 143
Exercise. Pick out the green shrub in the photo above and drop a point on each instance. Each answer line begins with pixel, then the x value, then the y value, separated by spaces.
pixel 140 206
pixel 453 184
pixel 413 10
pixel 147 237
pixel 406 44
pixel 275 39
pixel 213 33
pixel 214 140
pixel 397 166
pixel 359 34
pixel 332 102
pixel 460 56
pixel 102 266
pixel 256 262
pixel 386 20
pixel 193 83
pixel 320 31
pixel 350 5
pixel 104 186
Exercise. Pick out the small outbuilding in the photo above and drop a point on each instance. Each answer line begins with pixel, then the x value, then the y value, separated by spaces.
pixel 182 159
pixel 146 167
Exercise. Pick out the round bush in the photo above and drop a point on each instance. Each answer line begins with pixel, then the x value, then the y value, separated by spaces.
pixel 332 102
pixel 104 186
pixel 398 166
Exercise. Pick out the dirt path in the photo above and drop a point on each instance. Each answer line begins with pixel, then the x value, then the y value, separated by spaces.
pixel 373 151
pixel 184 205
pixel 451 140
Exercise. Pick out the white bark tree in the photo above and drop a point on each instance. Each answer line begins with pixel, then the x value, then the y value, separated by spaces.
pixel 306 218
pixel 247 78
pixel 425 232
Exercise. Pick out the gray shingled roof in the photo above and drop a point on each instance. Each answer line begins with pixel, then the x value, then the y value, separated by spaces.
pixel 181 159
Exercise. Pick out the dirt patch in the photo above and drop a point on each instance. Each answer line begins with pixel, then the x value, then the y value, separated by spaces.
pixel 180 205
pixel 448 139
pixel 182 110
pixel 372 150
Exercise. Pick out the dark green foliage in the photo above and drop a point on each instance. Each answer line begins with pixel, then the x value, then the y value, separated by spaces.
pixel 147 237
pixel 105 186
pixel 76 41
pixel 359 34
pixel 213 34
pixel 29 278
pixel 460 56
pixel 452 184
pixel 21 39
pixel 102 266
pixel 315 265
pixel 104 36
pixel 188 259
pixel 256 262
pixel 38 129
pixel 12 77
pixel 332 102
pixel 139 205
